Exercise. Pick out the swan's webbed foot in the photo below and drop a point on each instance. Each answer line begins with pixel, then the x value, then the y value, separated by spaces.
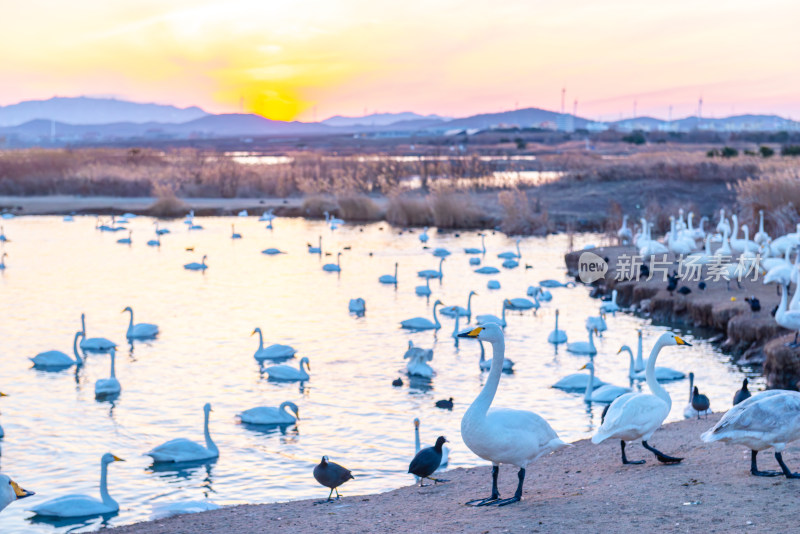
pixel 495 493
pixel 625 460
pixel 786 471
pixel 504 502
pixel 660 456
pixel 754 468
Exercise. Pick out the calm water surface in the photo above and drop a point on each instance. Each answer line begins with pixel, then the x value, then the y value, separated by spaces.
pixel 56 431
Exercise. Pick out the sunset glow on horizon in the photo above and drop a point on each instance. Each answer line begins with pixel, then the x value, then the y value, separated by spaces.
pixel 311 59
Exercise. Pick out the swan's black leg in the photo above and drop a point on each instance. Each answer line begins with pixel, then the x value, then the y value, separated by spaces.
pixel 787 473
pixel 625 460
pixel 663 458
pixel 754 468
pixel 517 494
pixel 495 493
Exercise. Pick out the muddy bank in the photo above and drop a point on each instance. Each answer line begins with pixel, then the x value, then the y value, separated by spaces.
pixel 581 488
pixel 750 337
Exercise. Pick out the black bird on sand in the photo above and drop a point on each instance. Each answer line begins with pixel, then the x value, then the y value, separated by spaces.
pixel 445 404
pixel 672 282
pixel 331 475
pixel 683 290
pixel 427 461
pixel 644 271
pixel 701 286
pixel 742 394
pixel 397 382
pixel 700 402
pixel 755 304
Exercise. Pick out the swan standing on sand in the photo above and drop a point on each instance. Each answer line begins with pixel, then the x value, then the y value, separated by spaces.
pixel 421 323
pixel 388 278
pixel 286 373
pixel 108 387
pixel 57 360
pixel 452 311
pixel 10 492
pixel 269 415
pixel 489 318
pixel 273 352
pixel 429 273
pixel 194 266
pixel 767 419
pixel 182 450
pixel 94 344
pixel 83 505
pixel 333 267
pixel 140 330
pixel 624 234
pixel 503 436
pixel 557 336
pixel 605 393
pixel 584 347
pixel 638 415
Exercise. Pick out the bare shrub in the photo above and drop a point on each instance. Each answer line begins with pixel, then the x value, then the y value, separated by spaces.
pixel 454 210
pixel 408 210
pixel 777 194
pixel 317 205
pixel 167 205
pixel 518 216
pixel 358 208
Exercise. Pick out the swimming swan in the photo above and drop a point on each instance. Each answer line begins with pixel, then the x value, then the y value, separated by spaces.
pixel 83 505
pixel 10 492
pixel 421 323
pixel 388 278
pixel 107 387
pixel 140 330
pixel 663 374
pixel 194 266
pixel 317 249
pixel 584 347
pixel 486 365
pixel 333 267
pixel 94 344
pixel 638 415
pixel 481 250
pixel 357 306
pixel 417 361
pixel 557 336
pixel 273 352
pixel 234 235
pixel 511 255
pixel 452 311
pixel 424 291
pixel 605 393
pixel 429 273
pixel 269 415
pixel 57 360
pixel 503 436
pixel 289 374
pixel 182 450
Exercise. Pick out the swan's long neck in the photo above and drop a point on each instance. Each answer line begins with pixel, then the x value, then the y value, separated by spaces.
pixel 631 366
pixel 130 323
pixel 483 401
pixel 260 340
pixel 761 222
pixel 107 500
pixel 436 319
pixel 483 243
pixel 113 366
pixel 78 358
pixel 209 443
pixel 591 339
pixel 395 273
pixel 83 325
pixel 455 329
pixel 284 407
pixel 708 245
pixel 556 322
pixel 587 396
pixel 795 298
pixel 469 305
pixel 504 314
pixel 440 267
pixel 735 231
pixel 691 387
pixel 639 360
pixel 519 254
pixel 782 305
pixel 650 373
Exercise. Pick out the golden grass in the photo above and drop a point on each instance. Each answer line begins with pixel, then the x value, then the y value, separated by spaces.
pixel 167 205
pixel 356 207
pixel 519 217
pixel 409 210
pixel 316 206
pixel 454 210
pixel 777 194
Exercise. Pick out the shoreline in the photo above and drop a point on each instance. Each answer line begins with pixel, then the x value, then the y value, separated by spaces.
pixel 582 487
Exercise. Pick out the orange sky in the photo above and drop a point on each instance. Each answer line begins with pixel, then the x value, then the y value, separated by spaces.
pixel 316 58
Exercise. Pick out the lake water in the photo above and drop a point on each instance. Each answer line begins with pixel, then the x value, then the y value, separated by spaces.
pixel 56 431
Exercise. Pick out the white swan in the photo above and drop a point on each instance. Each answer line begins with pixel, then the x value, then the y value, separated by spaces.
pixel 489 318
pixel 725 248
pixel 267 216
pixel 676 243
pixel 10 491
pixel 140 330
pixel 474 261
pixel 624 234
pixel 767 419
pixel 3 261
pixel 700 258
pixel 487 269
pixel 154 242
pixel 486 365
pixel 557 336
pixel 424 291
pixel 3 238
pixel 441 252
pixel 421 323
pixel 57 360
pixel 511 255
pixel 761 236
pixel 317 249
pixel 273 352
pixel 452 311
pixel 688 411
pixel 605 393
pixel 723 223
pixel 481 250
pixel 194 266
pixel 493 284
pixel 107 387
pixel 423 237
pixel 610 307
pixel 519 304
pixel 541 294
pixel 503 436
pixel 744 244
pixel 357 306
pixel 429 273
pixel 126 240
pixel 417 361
pixel 663 374
pixel 333 267
pixel 83 505
pixel 388 278
pixel 161 231
pixel 290 374
pixel 272 251
pixel 269 415
pixel 584 347
pixel 417 446
pixel 550 284
pixel 638 415
pixel 789 319
pixel 94 344
pixel 597 323
pixel 183 450
pixel 235 235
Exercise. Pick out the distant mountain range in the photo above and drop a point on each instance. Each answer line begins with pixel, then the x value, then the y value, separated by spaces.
pixel 60 121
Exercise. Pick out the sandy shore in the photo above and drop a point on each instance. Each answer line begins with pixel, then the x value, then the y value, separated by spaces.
pixel 582 488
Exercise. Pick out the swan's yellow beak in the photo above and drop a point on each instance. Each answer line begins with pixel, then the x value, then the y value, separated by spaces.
pixel 19 492
pixel 582 368
pixel 620 350
pixel 117 458
pixel 682 342
pixel 3 394
pixel 472 333
pixel 253 333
